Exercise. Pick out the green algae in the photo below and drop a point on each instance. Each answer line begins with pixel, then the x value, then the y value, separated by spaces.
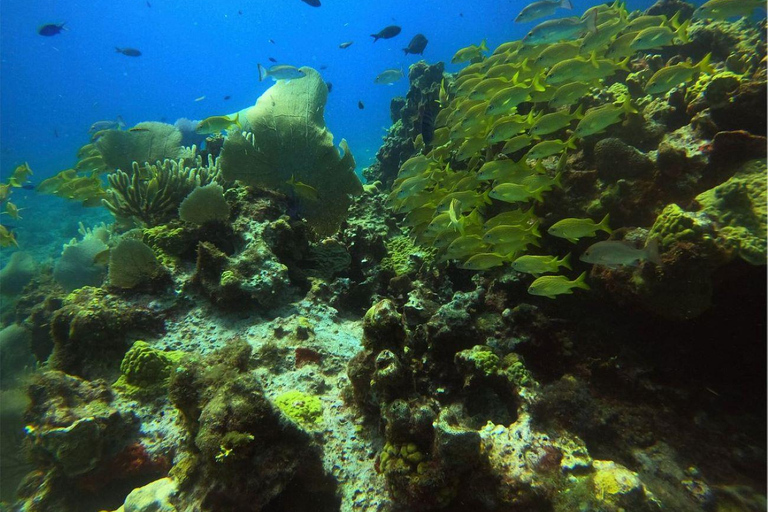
pixel 302 408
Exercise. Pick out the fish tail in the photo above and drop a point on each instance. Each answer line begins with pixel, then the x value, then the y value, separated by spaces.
pixel 566 4
pixel 578 113
pixel 263 73
pixel 565 262
pixel 624 64
pixel 682 31
pixel 558 177
pixel 537 194
pixel 593 56
pixel 581 281
pixel 570 143
pixel 674 22
pixel 604 224
pixel 704 66
pixel 405 51
pixel 628 108
pixel 118 50
pixel 536 85
pixel 483 46
pixel 652 251
pixel 237 121
pixel 375 37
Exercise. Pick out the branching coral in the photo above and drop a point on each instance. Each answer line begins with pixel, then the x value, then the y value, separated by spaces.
pixel 152 194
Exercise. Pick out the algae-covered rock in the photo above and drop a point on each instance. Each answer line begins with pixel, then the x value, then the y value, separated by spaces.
pixel 288 140
pixel 145 371
pixel 303 408
pixel 738 208
pixel 153 497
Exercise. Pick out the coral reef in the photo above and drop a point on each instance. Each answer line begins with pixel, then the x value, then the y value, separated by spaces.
pixel 290 149
pixel 17 273
pixel 133 263
pixel 145 371
pixel 147 142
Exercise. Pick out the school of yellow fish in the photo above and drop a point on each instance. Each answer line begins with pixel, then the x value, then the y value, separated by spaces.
pixel 472 194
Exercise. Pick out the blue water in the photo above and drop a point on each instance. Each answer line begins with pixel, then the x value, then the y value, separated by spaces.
pixel 53 88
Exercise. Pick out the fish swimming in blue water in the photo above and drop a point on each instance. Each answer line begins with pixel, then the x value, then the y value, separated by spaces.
pixel 50 29
pixel 389 76
pixel 540 9
pixel 280 72
pixel 386 33
pixel 128 52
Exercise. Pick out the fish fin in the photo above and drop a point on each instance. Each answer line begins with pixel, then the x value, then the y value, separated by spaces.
pixel 674 21
pixel 262 72
pixel 524 65
pixel 592 22
pixel 237 121
pixel 570 142
pixel 558 177
pixel 624 64
pixel 682 32
pixel 566 4
pixel 578 113
pixel 565 262
pixel 593 57
pixel 604 224
pixel 483 46
pixel 535 85
pixel 627 105
pixel 375 37
pixel 118 50
pixel 581 281
pixel 537 194
pixel 652 249
pixel 704 65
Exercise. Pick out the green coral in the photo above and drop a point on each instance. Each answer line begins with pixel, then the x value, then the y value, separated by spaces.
pixel 515 370
pixel 302 408
pixel 479 360
pixel 716 87
pixel 738 207
pixel 289 145
pixel 403 457
pixel 676 225
pixel 145 371
pixel 404 256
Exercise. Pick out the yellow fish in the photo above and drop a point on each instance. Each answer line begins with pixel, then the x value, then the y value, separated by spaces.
pixel 573 229
pixel 552 286
pixel 515 193
pixel 537 265
pixel 669 77
pixel 7 238
pixel 12 210
pixel 216 124
pixel 484 261
pixel 599 118
pixel 471 52
pixel 657 37
pixel 303 190
pixel 20 175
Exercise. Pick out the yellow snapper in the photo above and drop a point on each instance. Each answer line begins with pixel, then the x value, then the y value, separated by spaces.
pixel 552 286
pixel 469 53
pixel 469 148
pixel 511 217
pixel 724 9
pixel 496 169
pixel 569 93
pixel 20 175
pixel 621 46
pixel 414 166
pixel 607 12
pixel 550 147
pixel 465 246
pixel 657 37
pixel 542 181
pixel 601 38
pixel 537 265
pixel 598 119
pixel 506 234
pixel 12 210
pixel 487 88
pixel 668 77
pixel 643 22
pixel 303 190
pixel 553 31
pixel 507 99
pixel 216 124
pixel 7 238
pixel 506 127
pixel 484 261
pixel 515 193
pixel 555 121
pixel 583 69
pixel 555 53
pixel 573 229
pixel 517 143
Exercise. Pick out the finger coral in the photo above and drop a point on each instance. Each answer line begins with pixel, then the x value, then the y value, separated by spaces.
pixel 290 149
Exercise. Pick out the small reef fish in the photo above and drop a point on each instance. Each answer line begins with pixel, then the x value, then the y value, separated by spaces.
pixel 117 124
pixel 199 98
pixel 553 31
pixel 470 53
pixel 550 147
pixel 573 229
pixel 360 105
pixel 516 144
pixel 280 72
pixel 484 261
pixel 668 77
pixel 538 265
pixel 303 190
pixel 313 3
pixel 657 37
pixel 417 45
pixel 515 193
pixel 272 59
pixel 552 286
pixel 128 52
pixel 540 9
pixel 569 93
pixel 51 29
pixel 12 210
pixel 346 44
pixel 217 124
pixel 555 53
pixel 7 238
pixel 386 33
pixel 389 76
pixel 724 9
pixel 555 121
pixel 598 119
pixel 618 253
pixel 20 175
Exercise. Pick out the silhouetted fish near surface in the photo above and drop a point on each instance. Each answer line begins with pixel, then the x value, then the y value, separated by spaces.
pixel 129 52
pixel 346 44
pixel 271 59
pixel 360 105
pixel 50 29
pixel 227 97
pixel 417 45
pixel 313 3
pixel 271 41
pixel 386 33
pixel 323 67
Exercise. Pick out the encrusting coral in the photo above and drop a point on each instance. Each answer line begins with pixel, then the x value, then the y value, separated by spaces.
pixel 290 149
pixel 145 371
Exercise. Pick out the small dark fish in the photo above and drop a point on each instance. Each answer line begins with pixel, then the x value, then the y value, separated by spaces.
pixel 56 133
pixel 323 66
pixel 129 52
pixel 417 45
pixel 360 105
pixel 271 41
pixel 329 85
pixel 386 33
pixel 461 14
pixel 346 44
pixel 50 29
pixel 28 186
pixel 271 59
pixel 227 97
pixel 149 4
pixel 313 3
pixel 240 12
